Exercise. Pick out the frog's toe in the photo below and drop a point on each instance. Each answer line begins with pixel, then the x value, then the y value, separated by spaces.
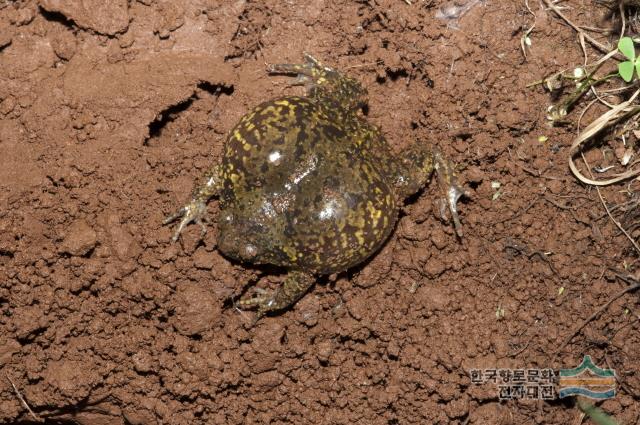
pixel 448 205
pixel 263 297
pixel 262 294
pixel 264 300
pixel 194 211
pixel 314 62
pixel 301 70
pixel 454 193
pixel 448 181
pixel 309 71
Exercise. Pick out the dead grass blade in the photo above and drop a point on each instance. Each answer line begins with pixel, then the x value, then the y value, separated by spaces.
pixel 618 113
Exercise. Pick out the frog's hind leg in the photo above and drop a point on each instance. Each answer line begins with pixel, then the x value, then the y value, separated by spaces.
pixel 196 209
pixel 295 285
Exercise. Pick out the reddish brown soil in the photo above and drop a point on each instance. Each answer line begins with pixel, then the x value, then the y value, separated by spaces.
pixel 110 110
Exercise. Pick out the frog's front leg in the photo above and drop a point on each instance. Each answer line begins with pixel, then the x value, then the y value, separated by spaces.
pixel 312 74
pixel 309 71
pixel 295 285
pixel 196 209
pixel 419 164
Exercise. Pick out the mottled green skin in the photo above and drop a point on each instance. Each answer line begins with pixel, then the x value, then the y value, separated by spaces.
pixel 308 184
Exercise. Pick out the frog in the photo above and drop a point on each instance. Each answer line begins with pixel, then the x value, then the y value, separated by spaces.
pixel 306 183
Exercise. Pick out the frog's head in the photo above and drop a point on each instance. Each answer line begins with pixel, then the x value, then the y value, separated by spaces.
pixel 247 232
pixel 240 237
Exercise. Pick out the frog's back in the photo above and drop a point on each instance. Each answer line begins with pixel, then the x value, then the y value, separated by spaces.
pixel 302 173
pixel 270 139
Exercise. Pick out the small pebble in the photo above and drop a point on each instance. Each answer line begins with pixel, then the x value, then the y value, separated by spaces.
pixel 80 239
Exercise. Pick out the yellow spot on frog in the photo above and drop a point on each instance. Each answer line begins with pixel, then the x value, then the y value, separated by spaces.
pixel 291 253
pixel 374 213
pixel 268 111
pixel 359 221
pixel 344 242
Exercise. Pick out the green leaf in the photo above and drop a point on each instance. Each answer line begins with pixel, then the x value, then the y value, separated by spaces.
pixel 637 67
pixel 625 69
pixel 598 415
pixel 625 45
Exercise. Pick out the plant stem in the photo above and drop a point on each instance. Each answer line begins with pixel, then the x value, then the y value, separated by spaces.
pixel 565 107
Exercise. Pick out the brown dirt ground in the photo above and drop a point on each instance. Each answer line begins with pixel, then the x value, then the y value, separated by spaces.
pixel 110 110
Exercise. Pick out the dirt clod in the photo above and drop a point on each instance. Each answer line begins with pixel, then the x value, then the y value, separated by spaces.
pixel 80 238
pixel 196 309
pixel 107 18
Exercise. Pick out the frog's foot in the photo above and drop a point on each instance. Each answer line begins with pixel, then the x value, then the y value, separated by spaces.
pixel 263 299
pixel 311 68
pixel 448 181
pixel 310 73
pixel 195 211
pixel 295 285
pixel 321 81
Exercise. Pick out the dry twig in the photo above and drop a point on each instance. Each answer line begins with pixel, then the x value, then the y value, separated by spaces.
pixel 606 208
pixel 595 43
pixel 22 400
pixel 631 288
